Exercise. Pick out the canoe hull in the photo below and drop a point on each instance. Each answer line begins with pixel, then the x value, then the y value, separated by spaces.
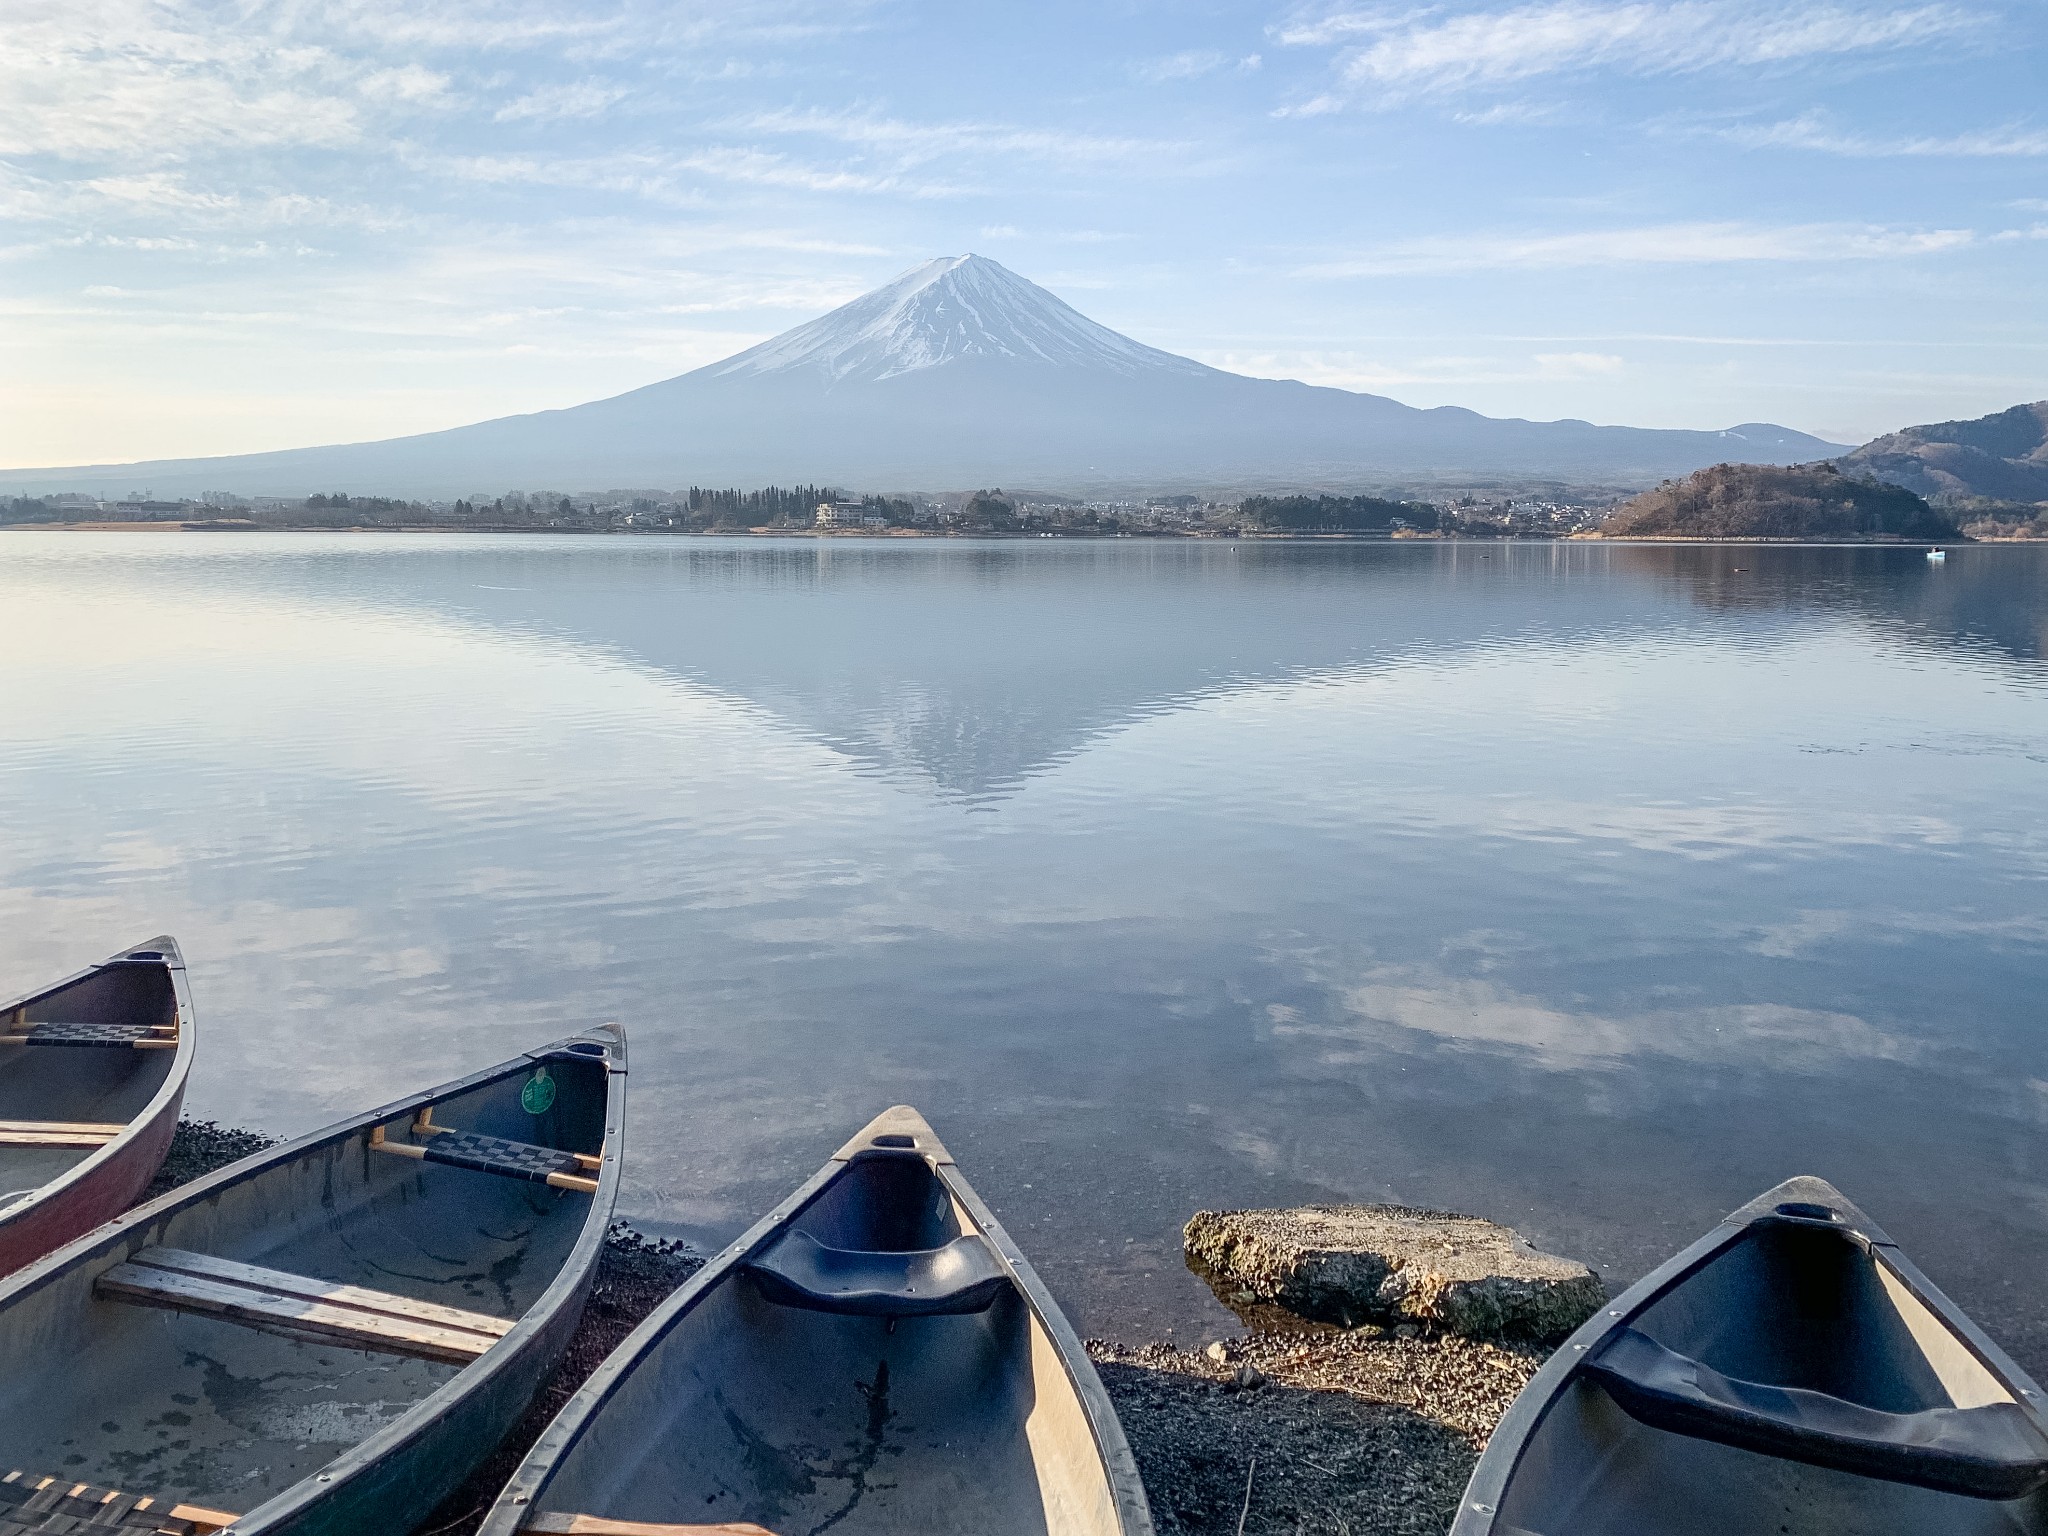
pixel 399 1486
pixel 102 1186
pixel 765 1395
pixel 103 1192
pixel 1791 1370
pixel 294 1431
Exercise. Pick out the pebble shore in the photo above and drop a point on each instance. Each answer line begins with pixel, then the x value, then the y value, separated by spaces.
pixel 1331 1433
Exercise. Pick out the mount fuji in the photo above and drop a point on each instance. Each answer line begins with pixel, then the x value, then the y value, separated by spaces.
pixel 961 373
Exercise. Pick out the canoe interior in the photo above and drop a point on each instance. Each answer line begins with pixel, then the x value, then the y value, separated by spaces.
pixel 1790 1306
pixel 207 1411
pixel 96 1084
pixel 805 1421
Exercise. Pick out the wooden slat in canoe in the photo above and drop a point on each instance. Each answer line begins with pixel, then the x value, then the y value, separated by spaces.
pixel 299 1304
pixel 597 1525
pixel 207 1267
pixel 58 1133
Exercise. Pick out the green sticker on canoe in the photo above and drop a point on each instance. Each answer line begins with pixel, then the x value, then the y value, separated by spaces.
pixel 538 1096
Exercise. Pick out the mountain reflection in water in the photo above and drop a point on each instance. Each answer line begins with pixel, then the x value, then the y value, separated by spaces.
pixel 1591 888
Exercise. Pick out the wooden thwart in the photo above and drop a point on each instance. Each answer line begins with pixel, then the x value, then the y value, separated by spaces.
pixel 84 1507
pixel 301 1305
pixel 58 1133
pixel 21 1030
pixel 597 1525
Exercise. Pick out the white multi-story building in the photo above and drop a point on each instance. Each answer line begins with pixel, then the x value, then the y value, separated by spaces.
pixel 843 514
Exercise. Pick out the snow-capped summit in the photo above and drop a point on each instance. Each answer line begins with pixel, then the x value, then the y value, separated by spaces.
pixel 949 308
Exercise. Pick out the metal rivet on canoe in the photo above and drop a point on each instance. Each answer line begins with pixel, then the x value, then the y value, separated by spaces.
pixel 1482 1509
pixel 1578 1346
pixel 518 1498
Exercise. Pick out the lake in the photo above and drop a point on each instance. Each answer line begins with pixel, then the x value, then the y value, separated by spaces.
pixel 1590 888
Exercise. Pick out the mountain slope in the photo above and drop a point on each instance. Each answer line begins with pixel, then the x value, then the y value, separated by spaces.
pixel 2003 456
pixel 961 373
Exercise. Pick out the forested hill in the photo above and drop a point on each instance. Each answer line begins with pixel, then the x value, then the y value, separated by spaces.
pixel 1767 501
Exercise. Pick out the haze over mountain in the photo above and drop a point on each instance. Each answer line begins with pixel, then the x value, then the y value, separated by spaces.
pixel 960 373
pixel 2003 456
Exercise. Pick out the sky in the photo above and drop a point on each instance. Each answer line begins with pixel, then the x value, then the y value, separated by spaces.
pixel 230 227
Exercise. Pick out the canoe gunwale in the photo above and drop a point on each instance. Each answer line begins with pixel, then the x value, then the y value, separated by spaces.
pixel 1134 1513
pixel 160 1113
pixel 1481 1502
pixel 568 1288
pixel 521 1496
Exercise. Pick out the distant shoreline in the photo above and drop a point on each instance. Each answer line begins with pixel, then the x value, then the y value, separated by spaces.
pixel 898 534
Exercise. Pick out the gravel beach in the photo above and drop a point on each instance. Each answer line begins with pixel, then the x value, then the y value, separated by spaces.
pixel 1334 1433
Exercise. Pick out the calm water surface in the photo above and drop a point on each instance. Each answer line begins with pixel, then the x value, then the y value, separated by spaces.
pixel 1591 889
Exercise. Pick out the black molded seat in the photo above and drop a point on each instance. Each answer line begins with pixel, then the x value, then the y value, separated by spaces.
pixel 493 1154
pixel 1988 1452
pixel 800 1271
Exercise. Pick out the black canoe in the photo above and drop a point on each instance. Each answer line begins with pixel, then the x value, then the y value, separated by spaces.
pixel 1789 1372
pixel 92 1071
pixel 873 1357
pixel 326 1337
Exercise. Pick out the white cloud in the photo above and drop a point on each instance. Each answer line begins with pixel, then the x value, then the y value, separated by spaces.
pixel 762 168
pixel 127 77
pixel 1577 365
pixel 1511 112
pixel 1811 131
pixel 552 103
pixel 914 142
pixel 1358 371
pixel 1052 236
pixel 1315 106
pixel 1696 243
pixel 408 83
pixel 1188 65
pixel 1428 51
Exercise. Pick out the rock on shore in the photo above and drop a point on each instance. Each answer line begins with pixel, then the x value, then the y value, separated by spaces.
pixel 1387 1264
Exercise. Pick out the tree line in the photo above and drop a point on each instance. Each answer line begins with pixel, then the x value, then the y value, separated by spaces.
pixel 768 507
pixel 1350 514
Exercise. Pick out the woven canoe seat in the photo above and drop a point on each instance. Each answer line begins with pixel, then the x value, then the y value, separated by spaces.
pixel 492 1154
pixel 60 1506
pixel 88 1034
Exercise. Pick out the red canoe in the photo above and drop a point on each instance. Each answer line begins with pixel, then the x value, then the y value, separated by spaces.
pixel 92 1072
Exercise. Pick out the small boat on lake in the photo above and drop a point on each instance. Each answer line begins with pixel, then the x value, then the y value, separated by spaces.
pixel 1937 555
pixel 326 1337
pixel 92 1072
pixel 1790 1371
pixel 874 1358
